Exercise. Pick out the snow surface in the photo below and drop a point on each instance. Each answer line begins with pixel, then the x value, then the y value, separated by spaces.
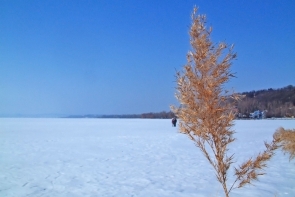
pixel 127 157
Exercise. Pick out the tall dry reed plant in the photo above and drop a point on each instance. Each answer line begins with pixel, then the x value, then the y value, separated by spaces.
pixel 205 114
pixel 286 138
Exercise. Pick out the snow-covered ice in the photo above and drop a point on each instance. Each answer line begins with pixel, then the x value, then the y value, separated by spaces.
pixel 127 157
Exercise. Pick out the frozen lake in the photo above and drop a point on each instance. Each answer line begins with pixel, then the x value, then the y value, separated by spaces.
pixel 127 157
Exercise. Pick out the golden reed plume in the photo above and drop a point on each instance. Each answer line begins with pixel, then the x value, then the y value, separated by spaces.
pixel 206 115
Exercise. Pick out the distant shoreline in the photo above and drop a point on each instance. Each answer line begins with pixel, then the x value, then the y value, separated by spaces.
pixel 118 117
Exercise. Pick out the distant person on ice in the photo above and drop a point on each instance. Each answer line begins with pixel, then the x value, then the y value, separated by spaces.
pixel 174 121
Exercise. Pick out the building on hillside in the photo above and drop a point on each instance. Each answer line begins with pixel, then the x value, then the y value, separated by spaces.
pixel 257 114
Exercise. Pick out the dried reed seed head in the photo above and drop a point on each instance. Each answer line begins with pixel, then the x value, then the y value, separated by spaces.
pixel 207 115
pixel 286 140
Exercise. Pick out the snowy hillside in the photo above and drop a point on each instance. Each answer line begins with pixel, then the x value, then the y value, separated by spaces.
pixel 126 157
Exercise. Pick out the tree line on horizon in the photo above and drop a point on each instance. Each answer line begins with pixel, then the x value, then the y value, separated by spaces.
pixel 274 102
pixel 149 115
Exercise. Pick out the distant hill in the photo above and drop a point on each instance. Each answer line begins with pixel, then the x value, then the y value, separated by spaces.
pixel 150 115
pixel 276 102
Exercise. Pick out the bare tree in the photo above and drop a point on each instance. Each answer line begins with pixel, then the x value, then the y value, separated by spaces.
pixel 206 116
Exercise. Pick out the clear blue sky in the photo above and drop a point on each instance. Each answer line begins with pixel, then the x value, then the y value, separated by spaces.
pixel 120 57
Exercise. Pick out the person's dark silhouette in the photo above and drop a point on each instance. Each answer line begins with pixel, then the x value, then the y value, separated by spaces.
pixel 174 121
